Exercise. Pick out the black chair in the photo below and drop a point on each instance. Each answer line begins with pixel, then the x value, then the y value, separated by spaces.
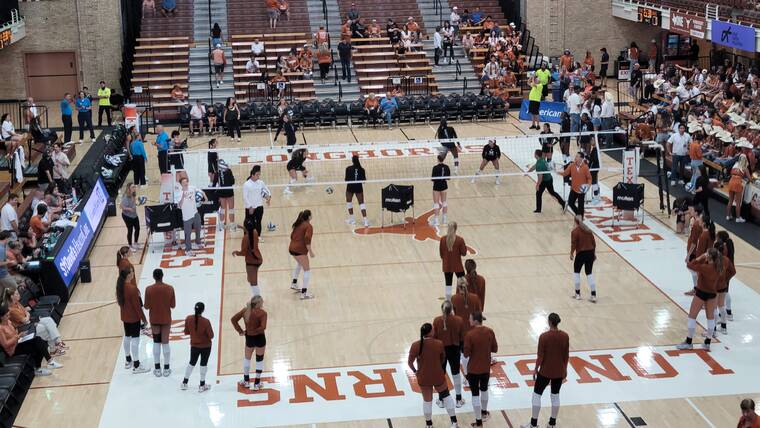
pixel 405 109
pixel 326 112
pixel 483 110
pixel 246 116
pixel 453 105
pixel 341 113
pixel 184 117
pixel 437 107
pixel 498 108
pixel 309 113
pixel 356 109
pixel 468 107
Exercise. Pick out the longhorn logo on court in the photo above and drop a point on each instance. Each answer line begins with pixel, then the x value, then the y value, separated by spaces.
pixel 418 228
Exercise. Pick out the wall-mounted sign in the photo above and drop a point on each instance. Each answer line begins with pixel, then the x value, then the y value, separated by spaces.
pixel 650 16
pixel 733 35
pixel 688 25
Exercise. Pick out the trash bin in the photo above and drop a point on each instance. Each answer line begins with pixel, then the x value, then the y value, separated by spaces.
pixel 85 274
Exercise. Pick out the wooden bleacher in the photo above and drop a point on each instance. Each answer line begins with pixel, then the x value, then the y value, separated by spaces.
pixel 398 10
pixel 156 26
pixel 374 63
pixel 160 63
pixel 250 16
pixel 275 45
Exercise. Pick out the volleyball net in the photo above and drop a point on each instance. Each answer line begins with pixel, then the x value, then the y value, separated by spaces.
pixel 397 162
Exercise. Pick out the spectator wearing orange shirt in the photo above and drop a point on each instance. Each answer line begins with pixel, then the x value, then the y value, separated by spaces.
pixel 324 58
pixel 371 106
pixel 695 153
pixel 749 418
pixel 566 60
pixel 284 9
pixel 273 11
pixel 412 26
pixel 36 223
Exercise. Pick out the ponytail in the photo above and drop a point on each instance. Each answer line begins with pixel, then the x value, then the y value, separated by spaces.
pixel 709 225
pixel 6 296
pixel 445 311
pixel 254 303
pixel 451 235
pixel 470 266
pixel 199 307
pixel 120 283
pixel 462 287
pixel 716 258
pixel 424 331
pixel 303 216
pixel 123 251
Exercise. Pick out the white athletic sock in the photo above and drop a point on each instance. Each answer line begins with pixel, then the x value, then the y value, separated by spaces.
pixel 692 325
pixel 458 384
pixel 476 409
pixel 595 189
pixel 296 272
pixel 167 353
pixel 484 401
pixel 306 277
pixel 728 301
pixel 255 291
pixel 591 282
pixel 463 361
pixel 722 314
pixel 577 281
pixel 246 366
pixel 156 353
pixel 260 366
pixel 189 371
pixel 204 369
pixel 555 405
pixel 448 291
pixel 536 405
pixel 135 351
pixel 126 342
pixel 449 404
pixel 711 327
pixel 693 278
pixel 427 410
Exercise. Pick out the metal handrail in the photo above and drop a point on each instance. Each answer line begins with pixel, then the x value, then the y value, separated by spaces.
pixel 464 86
pixel 340 91
pixel 458 68
pixel 438 8
pixel 210 81
pixel 324 15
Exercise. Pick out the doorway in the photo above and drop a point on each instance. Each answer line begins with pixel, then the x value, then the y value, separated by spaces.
pixel 50 74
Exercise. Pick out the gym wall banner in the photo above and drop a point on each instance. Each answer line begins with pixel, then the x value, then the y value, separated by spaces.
pixel 733 35
pixel 688 25
pixel 77 243
pixel 548 111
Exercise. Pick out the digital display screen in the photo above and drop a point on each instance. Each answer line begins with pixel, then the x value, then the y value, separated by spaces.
pixel 72 251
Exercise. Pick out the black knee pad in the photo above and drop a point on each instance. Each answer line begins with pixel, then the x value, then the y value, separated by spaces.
pixel 259 358
pixel 156 337
pixel 443 394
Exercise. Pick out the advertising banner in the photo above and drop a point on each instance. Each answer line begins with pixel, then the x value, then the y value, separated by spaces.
pixel 688 25
pixel 733 35
pixel 549 111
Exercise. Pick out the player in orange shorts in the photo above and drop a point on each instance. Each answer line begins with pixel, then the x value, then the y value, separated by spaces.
pixel 739 173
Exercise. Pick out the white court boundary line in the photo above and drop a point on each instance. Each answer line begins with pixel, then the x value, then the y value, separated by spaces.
pixel 699 412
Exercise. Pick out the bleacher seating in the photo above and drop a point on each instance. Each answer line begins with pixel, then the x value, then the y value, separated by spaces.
pixel 375 61
pixel 160 63
pixel 398 10
pixel 173 26
pixel 488 7
pixel 250 17
pixel 275 45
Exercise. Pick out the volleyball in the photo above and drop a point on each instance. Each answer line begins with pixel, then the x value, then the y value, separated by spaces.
pixel 198 198
pixel 265 193
pixel 584 188
pixel 329 190
pixel 271 227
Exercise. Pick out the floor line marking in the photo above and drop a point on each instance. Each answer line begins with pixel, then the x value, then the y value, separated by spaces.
pixel 70 385
pixel 97 302
pixel 699 412
pixel 390 424
pixel 509 423
pixel 627 419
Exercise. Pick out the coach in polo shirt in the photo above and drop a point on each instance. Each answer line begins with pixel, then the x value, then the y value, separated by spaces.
pixel 679 148
pixel 255 192
pixel 544 76
pixel 162 145
pixel 104 103
pixel 66 112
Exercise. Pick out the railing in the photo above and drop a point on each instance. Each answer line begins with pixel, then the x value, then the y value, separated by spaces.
pixel 324 16
pixel 257 91
pixel 12 108
pixel 131 13
pixel 409 85
pixel 627 99
pixel 438 8
pixel 334 66
pixel 464 85
pixel 458 68
pixel 340 91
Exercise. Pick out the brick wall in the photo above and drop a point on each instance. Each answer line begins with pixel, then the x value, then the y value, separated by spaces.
pixel 584 25
pixel 95 36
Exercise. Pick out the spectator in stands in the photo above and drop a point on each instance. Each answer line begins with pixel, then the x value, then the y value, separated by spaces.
pixel 437 45
pixel 36 347
pixel 393 32
pixel 8 217
pixel 389 105
pixel 466 18
pixel 177 94
pixel 603 65
pixel 273 11
pixel 219 60
pixel 353 13
pixel 633 53
pixel 6 280
pixel 345 30
pixel 413 26
pixel 196 117
pixel 694 52
pixel 468 42
pixel 455 20
pixel 104 103
pixel 284 9
pixel 84 116
pixel 257 48
pixel 251 66
pixel 371 106
pixel 44 327
pixel 373 29
pixel 321 36
pixel 476 17
pixel 566 60
pixel 216 34
pixel 344 53
pixel 169 7
pixel 37 223
pixel 149 5
pixel 574 102
pixel 129 215
pixel 324 58
pixel 406 37
pixel 232 118
pixel 7 130
pixel 211 117
pixel 279 82
pixel 448 41
pixel 653 55
pixel 695 154
pixel 31 111
pixel 66 112
pixel 60 166
pixel 358 30
pixel 162 147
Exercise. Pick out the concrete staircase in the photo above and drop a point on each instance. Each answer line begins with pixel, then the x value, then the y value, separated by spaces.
pixel 445 74
pixel 199 64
